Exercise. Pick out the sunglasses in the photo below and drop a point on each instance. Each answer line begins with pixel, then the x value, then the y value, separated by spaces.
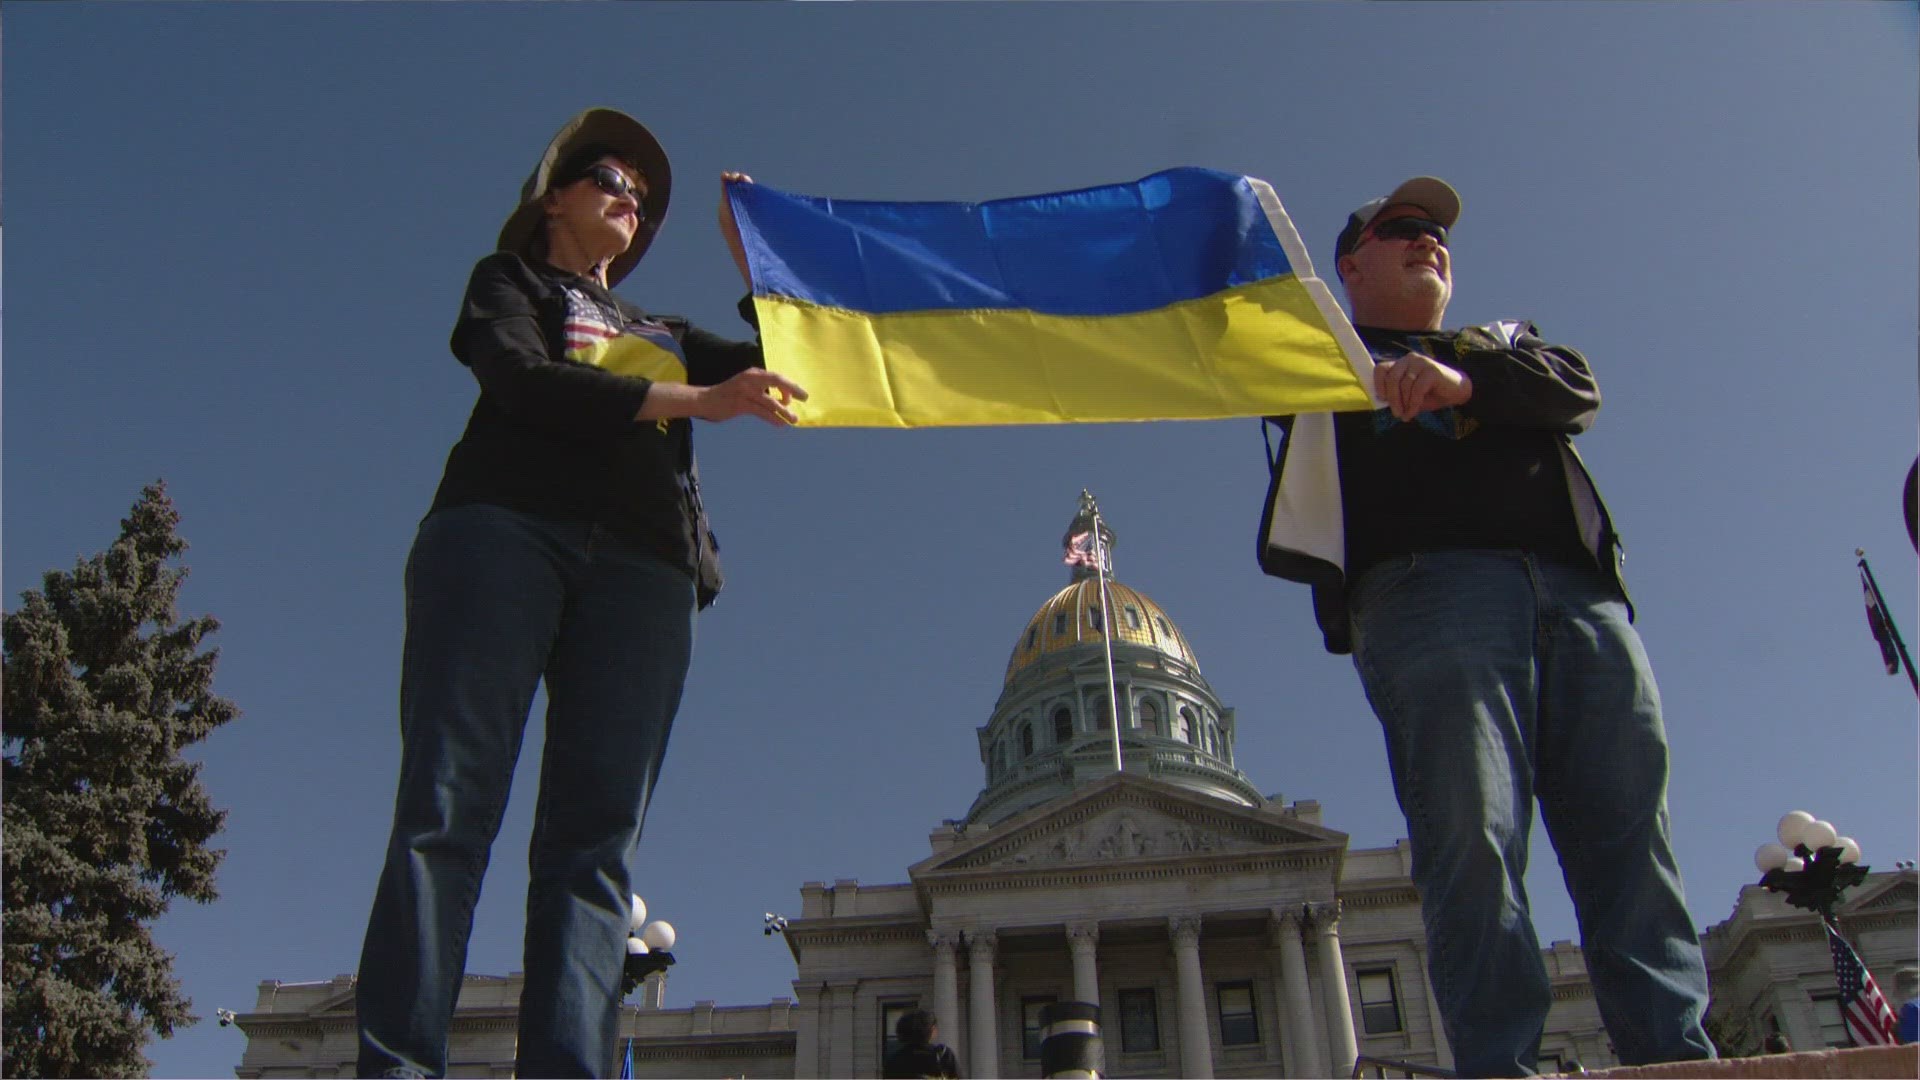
pixel 614 183
pixel 1406 228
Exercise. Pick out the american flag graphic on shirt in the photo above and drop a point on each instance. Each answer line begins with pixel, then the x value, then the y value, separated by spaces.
pixel 600 335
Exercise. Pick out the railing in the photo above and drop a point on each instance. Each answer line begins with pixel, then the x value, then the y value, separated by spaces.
pixel 1400 1068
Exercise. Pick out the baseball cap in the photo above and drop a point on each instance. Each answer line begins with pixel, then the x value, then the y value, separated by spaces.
pixel 1429 193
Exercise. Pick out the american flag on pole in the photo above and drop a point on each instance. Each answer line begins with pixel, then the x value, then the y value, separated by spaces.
pixel 1870 1021
pixel 1081 549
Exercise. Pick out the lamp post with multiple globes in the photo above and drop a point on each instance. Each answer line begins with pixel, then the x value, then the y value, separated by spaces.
pixel 647 945
pixel 1812 863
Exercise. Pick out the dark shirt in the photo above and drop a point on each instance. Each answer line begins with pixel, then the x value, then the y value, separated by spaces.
pixel 1485 475
pixel 564 365
pixel 909 1062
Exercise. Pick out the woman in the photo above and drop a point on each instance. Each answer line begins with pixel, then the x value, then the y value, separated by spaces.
pixel 920 1055
pixel 567 542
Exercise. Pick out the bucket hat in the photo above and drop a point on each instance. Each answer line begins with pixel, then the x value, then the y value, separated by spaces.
pixel 630 140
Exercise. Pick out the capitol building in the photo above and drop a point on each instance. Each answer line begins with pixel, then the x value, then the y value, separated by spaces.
pixel 1221 934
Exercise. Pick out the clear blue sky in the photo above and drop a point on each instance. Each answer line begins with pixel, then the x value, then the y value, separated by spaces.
pixel 237 235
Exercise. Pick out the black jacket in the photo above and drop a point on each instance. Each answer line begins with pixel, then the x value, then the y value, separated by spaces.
pixel 910 1062
pixel 564 365
pixel 1529 394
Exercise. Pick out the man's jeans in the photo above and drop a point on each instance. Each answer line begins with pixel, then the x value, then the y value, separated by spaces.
pixel 1500 680
pixel 496 599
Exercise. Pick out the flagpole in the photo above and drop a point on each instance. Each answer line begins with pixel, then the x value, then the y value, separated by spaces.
pixel 1106 636
pixel 1886 617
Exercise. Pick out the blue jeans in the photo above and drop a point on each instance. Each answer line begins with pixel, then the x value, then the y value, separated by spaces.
pixel 1499 681
pixel 497 600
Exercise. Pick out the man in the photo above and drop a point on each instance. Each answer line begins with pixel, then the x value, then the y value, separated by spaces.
pixel 1458 549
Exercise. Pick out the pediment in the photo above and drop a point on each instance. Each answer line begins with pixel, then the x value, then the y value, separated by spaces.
pixel 1128 818
pixel 1900 892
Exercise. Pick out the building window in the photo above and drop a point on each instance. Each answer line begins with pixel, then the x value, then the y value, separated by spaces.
pixel 1147 715
pixel 1102 717
pixel 1133 617
pixel 890 1014
pixel 1185 730
pixel 1030 1024
pixel 1238 1026
pixel 1833 1027
pixel 1026 740
pixel 1093 617
pixel 1139 1021
pixel 1060 624
pixel 1165 630
pixel 1379 1008
pixel 1033 635
pixel 1062 726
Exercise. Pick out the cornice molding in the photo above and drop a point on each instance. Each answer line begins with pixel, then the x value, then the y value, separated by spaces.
pixel 1004 879
pixel 1378 897
pixel 681 1047
pixel 859 935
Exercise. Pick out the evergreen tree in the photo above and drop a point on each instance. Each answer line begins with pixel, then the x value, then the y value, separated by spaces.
pixel 104 823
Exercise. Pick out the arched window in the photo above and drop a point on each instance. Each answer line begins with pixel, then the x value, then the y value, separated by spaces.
pixel 1026 740
pixel 1147 715
pixel 1062 726
pixel 1033 634
pixel 1185 730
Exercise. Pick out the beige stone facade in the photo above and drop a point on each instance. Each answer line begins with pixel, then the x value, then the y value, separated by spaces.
pixel 1219 940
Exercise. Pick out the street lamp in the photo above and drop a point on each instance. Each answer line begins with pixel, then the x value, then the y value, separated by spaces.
pixel 647 945
pixel 1812 863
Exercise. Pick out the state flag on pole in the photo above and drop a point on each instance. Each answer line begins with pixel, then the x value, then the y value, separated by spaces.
pixel 1877 622
pixel 1870 1021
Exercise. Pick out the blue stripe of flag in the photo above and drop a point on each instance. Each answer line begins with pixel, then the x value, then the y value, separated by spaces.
pixel 1113 250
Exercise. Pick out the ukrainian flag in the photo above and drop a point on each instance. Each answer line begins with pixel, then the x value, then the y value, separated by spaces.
pixel 1184 295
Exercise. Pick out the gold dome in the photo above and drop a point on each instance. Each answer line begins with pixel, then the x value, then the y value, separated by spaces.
pixel 1072 617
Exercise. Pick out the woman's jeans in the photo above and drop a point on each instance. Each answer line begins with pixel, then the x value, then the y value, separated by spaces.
pixel 1500 680
pixel 497 600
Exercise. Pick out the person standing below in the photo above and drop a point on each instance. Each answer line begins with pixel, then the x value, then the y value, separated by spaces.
pixel 1459 550
pixel 921 1054
pixel 1906 990
pixel 567 543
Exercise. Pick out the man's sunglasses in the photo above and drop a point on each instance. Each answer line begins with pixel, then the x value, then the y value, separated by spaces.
pixel 1406 228
pixel 610 180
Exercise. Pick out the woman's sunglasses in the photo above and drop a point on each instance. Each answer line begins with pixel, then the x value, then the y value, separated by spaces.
pixel 1407 228
pixel 610 180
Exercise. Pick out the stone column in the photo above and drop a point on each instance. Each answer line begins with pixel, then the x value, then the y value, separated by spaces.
pixel 806 1039
pixel 983 1057
pixel 1083 938
pixel 1300 1050
pixel 1196 1050
pixel 946 985
pixel 1333 985
pixel 840 1034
